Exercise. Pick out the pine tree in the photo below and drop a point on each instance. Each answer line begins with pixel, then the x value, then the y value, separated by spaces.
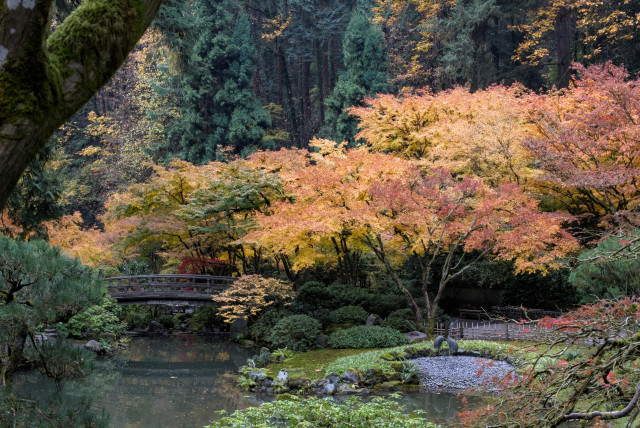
pixel 365 74
pixel 218 107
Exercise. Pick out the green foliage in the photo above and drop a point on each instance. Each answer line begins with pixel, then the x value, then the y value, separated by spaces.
pixel 296 332
pixel 365 74
pixel 39 287
pixel 36 197
pixel 401 320
pixel 60 411
pixel 367 336
pixel 551 291
pixel 599 276
pixel 206 317
pixel 349 315
pixel 98 319
pixel 217 105
pixel 166 320
pixel 315 412
pixel 262 327
pixel 136 317
pixel 334 296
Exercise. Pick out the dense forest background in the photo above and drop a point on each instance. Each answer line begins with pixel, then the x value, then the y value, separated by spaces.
pixel 217 80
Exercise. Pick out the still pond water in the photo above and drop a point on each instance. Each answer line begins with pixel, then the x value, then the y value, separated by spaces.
pixel 181 381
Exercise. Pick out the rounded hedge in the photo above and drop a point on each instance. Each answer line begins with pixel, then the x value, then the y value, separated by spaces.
pixel 297 332
pixel 401 319
pixel 367 336
pixel 349 315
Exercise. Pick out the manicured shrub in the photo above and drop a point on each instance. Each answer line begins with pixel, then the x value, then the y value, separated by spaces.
pixel 334 296
pixel 296 332
pixel 261 329
pixel 367 336
pixel 349 315
pixel 167 321
pixel 401 319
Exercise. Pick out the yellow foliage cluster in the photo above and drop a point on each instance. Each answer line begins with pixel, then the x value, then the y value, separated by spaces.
pixel 250 295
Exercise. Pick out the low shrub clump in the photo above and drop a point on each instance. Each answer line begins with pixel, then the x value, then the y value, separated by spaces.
pixel 365 336
pixel 349 315
pixel 296 332
pixel 315 412
pixel 401 319
pixel 263 326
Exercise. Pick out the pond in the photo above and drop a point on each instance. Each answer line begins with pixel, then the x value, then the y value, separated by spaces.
pixel 183 380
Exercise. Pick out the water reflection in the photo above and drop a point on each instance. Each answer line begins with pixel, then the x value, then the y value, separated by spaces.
pixel 183 380
pixel 175 381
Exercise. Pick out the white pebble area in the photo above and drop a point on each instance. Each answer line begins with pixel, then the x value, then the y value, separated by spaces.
pixel 462 372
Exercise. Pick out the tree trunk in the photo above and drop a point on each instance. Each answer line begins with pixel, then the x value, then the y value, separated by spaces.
pixel 564 39
pixel 44 81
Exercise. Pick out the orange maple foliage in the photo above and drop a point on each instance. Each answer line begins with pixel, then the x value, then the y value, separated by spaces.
pixel 394 207
pixel 478 133
pixel 589 137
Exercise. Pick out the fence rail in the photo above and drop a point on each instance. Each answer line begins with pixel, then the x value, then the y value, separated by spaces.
pixel 493 330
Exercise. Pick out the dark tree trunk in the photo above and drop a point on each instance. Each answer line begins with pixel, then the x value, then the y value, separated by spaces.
pixel 44 81
pixel 564 40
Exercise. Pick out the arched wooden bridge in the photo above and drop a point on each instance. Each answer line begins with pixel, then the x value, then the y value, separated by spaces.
pixel 172 290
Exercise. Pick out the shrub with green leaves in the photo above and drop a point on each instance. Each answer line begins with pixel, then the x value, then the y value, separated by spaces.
pixel 296 332
pixel 367 336
pixel 334 296
pixel 401 320
pixel 349 315
pixel 261 329
pixel 98 319
pixel 316 412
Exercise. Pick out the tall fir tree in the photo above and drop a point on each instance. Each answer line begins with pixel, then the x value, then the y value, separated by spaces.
pixel 217 105
pixel 365 62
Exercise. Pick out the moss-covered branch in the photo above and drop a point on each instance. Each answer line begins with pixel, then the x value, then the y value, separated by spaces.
pixel 44 81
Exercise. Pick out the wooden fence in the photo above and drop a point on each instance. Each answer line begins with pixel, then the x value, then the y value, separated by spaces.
pixel 493 330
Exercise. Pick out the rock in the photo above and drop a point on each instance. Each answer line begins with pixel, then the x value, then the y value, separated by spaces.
pixel 416 336
pixel 267 382
pixel 329 389
pixel 156 328
pixel 93 345
pixel 283 377
pixel 351 377
pixel 323 341
pixel 373 319
pixel 256 375
pixel 299 382
pixel 332 378
pixel 343 388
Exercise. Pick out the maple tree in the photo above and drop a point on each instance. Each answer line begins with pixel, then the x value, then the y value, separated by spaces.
pixel 394 209
pixel 558 385
pixel 479 133
pixel 187 211
pixel 249 295
pixel 589 135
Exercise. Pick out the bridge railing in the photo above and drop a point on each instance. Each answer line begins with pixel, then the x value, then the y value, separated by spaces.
pixel 196 284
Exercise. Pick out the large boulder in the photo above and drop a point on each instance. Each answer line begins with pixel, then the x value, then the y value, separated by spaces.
pixel 93 345
pixel 416 336
pixel 351 377
pixel 373 319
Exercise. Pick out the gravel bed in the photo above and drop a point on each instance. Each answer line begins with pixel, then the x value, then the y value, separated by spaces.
pixel 460 372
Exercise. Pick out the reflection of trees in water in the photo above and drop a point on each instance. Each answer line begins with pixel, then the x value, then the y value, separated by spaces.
pixel 176 381
pixel 440 407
